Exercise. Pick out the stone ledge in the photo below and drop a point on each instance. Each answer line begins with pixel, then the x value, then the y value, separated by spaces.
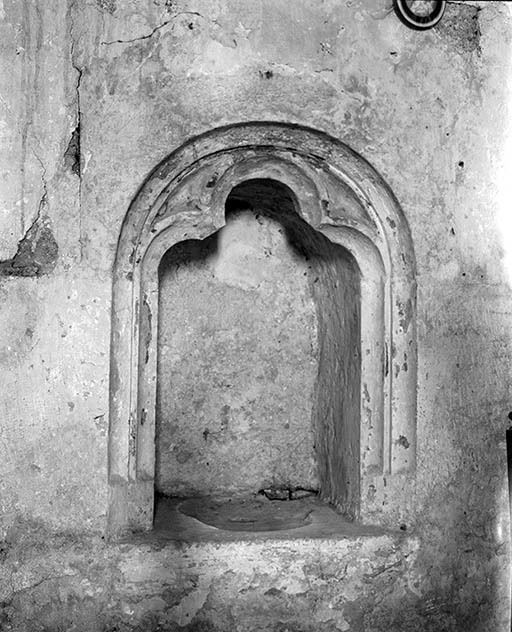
pixel 150 582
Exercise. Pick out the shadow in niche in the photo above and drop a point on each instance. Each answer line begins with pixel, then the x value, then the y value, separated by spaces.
pixel 258 385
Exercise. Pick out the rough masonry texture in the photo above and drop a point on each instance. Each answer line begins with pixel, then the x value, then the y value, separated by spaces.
pixel 103 104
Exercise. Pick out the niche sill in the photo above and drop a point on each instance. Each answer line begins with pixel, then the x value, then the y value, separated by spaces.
pixel 307 518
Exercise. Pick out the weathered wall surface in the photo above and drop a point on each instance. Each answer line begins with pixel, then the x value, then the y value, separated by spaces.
pixel 258 586
pixel 137 78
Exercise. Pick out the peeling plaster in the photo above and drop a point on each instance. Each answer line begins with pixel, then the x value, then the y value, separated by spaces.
pixel 37 251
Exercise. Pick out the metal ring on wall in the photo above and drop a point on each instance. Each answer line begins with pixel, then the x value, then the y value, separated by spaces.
pixel 420 14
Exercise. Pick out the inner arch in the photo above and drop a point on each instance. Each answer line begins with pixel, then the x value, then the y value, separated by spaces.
pixel 259 357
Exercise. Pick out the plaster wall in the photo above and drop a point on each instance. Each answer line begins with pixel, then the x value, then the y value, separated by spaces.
pixel 96 93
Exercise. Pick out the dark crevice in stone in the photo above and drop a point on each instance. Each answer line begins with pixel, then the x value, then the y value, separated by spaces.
pixel 72 153
pixel 287 493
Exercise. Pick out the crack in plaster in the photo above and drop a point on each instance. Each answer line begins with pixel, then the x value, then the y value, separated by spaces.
pixel 78 127
pixel 44 198
pixel 157 28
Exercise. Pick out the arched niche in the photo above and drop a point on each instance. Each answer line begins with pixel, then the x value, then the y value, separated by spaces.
pixel 336 193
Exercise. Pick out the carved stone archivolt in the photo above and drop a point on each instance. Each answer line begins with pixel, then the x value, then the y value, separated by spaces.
pixel 338 194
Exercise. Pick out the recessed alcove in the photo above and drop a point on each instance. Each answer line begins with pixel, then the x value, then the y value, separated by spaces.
pixel 263 331
pixel 258 370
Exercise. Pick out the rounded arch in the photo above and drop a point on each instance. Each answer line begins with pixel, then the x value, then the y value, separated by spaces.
pixel 339 194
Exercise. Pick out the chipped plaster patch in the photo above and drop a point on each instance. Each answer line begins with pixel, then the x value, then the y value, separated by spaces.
pixel 189 606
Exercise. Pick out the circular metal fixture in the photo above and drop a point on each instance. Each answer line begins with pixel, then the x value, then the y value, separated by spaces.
pixel 420 14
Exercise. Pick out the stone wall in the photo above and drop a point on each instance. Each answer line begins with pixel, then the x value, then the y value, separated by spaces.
pixel 97 93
